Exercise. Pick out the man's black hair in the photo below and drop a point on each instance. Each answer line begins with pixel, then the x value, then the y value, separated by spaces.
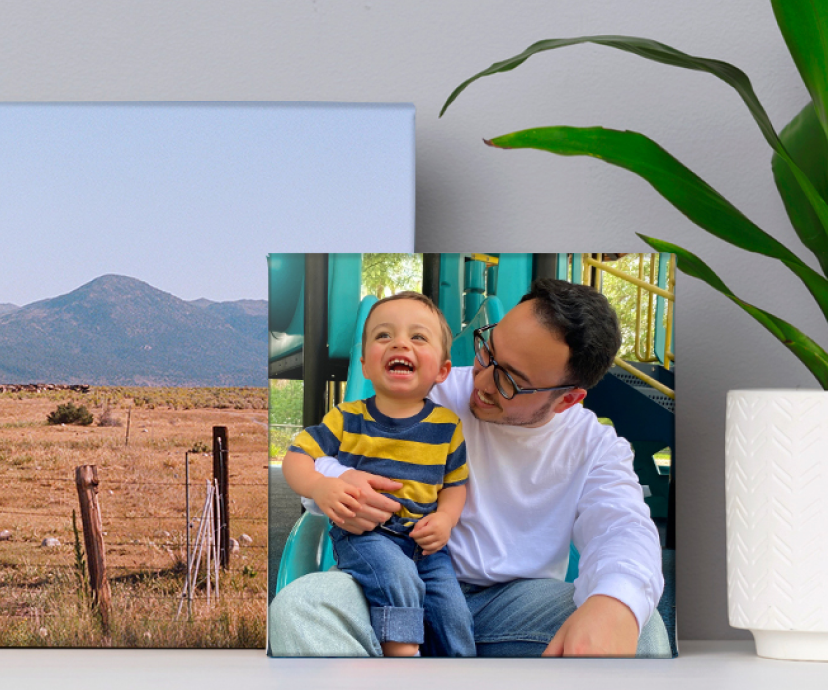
pixel 586 322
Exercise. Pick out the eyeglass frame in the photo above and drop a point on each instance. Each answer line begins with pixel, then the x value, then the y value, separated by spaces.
pixel 478 335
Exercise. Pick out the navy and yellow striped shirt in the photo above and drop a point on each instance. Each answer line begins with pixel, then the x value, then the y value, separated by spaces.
pixel 425 452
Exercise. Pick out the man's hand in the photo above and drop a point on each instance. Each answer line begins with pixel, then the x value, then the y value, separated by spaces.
pixel 432 532
pixel 373 508
pixel 602 626
pixel 336 498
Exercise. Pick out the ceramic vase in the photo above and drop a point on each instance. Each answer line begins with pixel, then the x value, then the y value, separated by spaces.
pixel 776 482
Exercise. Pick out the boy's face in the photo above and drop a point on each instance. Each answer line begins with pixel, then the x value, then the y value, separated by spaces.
pixel 403 350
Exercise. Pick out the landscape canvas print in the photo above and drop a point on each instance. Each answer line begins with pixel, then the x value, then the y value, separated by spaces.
pixel 133 349
pixel 341 367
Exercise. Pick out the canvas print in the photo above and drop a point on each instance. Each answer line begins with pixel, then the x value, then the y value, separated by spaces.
pixel 133 341
pixel 470 454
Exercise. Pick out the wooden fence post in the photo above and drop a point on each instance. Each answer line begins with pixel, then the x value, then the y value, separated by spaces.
pixel 86 479
pixel 222 476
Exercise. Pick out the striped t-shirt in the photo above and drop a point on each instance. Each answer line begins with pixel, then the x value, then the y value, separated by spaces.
pixel 425 452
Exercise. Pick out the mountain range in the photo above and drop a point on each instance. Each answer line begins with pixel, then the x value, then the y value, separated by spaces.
pixel 121 331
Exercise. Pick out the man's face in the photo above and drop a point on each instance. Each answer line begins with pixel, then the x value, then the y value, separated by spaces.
pixel 535 358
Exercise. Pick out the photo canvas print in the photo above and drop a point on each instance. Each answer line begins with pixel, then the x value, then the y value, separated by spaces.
pixel 468 450
pixel 133 341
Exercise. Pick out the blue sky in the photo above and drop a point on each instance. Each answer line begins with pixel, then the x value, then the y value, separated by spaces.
pixel 191 197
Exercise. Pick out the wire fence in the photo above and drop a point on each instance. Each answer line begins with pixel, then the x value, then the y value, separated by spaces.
pixel 141 454
pixel 145 534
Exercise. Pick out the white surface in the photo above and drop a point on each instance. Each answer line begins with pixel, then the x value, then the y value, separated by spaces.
pixel 708 665
pixel 471 196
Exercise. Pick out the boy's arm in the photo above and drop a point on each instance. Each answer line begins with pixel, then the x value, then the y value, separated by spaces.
pixel 336 498
pixel 433 531
pixel 451 501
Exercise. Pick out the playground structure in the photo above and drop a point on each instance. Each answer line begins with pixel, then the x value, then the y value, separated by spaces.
pixel 317 314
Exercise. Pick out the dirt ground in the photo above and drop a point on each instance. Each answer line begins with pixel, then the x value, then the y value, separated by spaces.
pixel 141 491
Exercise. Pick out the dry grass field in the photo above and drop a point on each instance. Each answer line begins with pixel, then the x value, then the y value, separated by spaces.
pixel 142 499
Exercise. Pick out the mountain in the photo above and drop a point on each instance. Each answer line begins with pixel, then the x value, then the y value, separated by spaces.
pixel 5 308
pixel 121 331
pixel 245 315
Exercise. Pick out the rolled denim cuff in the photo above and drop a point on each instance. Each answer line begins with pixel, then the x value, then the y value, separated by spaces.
pixel 397 624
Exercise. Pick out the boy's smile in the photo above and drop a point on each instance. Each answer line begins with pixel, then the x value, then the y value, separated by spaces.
pixel 400 366
pixel 403 355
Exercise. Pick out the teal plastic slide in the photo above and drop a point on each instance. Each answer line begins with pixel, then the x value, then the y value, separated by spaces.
pixel 308 547
pixel 286 303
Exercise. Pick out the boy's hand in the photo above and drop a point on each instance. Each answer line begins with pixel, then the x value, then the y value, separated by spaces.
pixel 336 498
pixel 432 532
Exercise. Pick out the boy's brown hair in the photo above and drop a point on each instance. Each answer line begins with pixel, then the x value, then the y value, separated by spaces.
pixel 445 329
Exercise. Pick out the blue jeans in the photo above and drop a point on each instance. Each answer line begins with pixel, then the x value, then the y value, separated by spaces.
pixel 325 614
pixel 412 598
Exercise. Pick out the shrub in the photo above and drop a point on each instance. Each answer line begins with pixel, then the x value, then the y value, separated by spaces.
pixel 108 419
pixel 200 447
pixel 68 413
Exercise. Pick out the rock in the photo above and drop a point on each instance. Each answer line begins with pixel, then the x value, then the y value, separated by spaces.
pixel 50 542
pixel 246 539
pixel 43 633
pixel 5 535
pixel 234 546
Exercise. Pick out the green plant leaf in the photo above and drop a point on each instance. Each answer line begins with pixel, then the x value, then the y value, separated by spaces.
pixel 804 25
pixel 659 52
pixel 806 143
pixel 808 352
pixel 652 50
pixel 675 182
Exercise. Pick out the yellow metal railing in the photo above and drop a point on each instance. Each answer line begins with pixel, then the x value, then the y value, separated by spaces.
pixel 593 270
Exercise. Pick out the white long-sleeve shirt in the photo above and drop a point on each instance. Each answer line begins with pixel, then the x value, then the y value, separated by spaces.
pixel 533 490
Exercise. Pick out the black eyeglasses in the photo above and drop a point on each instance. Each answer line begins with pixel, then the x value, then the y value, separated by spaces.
pixel 505 383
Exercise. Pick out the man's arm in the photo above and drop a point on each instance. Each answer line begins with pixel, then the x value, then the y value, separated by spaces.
pixel 620 579
pixel 373 508
pixel 336 498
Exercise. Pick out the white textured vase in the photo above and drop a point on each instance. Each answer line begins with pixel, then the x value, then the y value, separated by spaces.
pixel 776 482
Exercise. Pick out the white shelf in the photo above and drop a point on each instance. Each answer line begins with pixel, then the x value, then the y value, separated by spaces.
pixel 702 665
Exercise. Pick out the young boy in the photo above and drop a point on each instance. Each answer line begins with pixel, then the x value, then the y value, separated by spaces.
pixel 403 565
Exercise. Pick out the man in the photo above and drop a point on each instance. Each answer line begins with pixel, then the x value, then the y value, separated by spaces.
pixel 542 471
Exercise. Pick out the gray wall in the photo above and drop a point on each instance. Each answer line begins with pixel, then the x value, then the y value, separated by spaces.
pixel 473 197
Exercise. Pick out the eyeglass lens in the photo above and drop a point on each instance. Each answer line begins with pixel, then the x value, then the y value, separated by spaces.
pixel 503 383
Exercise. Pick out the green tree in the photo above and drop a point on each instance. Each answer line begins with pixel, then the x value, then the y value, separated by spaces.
pixel 285 401
pixel 391 272
pixel 285 408
pixel 623 296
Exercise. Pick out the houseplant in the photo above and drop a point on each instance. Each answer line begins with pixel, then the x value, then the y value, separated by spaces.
pixel 777 498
